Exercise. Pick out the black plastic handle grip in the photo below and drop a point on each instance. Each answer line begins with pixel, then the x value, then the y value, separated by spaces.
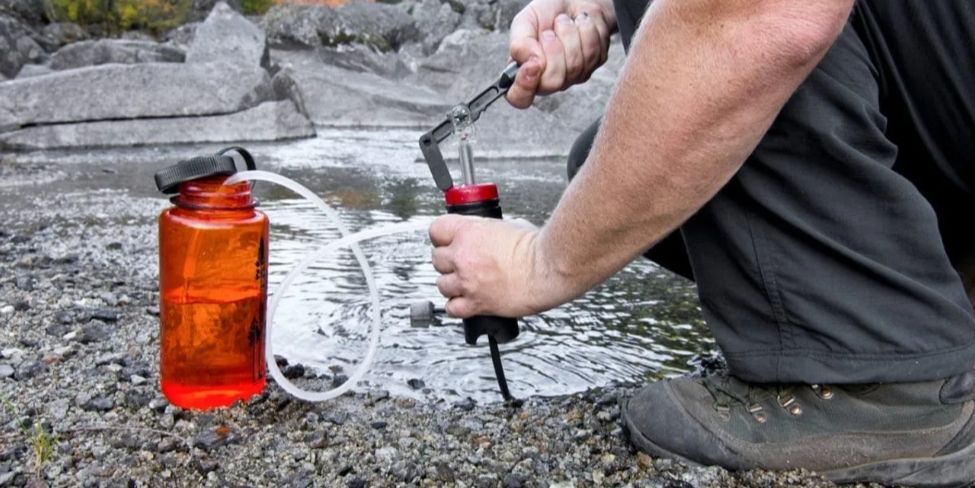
pixel 502 329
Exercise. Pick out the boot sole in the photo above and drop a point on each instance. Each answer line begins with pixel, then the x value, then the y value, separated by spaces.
pixel 953 470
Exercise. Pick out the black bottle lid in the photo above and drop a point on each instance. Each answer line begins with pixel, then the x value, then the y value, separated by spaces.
pixel 169 179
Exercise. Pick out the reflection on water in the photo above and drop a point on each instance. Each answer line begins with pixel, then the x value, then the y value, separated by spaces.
pixel 644 322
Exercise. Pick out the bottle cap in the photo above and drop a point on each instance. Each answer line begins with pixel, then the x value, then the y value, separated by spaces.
pixel 169 179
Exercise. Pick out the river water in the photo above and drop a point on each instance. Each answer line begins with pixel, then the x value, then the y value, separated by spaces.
pixel 643 323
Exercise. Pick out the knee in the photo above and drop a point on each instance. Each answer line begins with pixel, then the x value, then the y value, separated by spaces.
pixel 580 149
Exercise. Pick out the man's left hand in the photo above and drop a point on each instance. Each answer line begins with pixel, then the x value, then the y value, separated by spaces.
pixel 491 267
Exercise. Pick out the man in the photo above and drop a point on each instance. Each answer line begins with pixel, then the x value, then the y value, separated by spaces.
pixel 817 162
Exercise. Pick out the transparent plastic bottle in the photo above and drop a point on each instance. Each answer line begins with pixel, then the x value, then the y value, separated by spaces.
pixel 213 254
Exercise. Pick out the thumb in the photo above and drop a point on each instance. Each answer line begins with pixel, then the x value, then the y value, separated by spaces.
pixel 445 228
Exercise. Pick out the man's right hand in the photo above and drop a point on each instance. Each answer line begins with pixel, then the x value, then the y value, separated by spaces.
pixel 558 43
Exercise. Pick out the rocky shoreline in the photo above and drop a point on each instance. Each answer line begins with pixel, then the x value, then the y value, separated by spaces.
pixel 231 78
pixel 81 404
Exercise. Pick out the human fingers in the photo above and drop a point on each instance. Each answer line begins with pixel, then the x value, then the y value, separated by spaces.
pixel 553 77
pixel 444 228
pixel 450 285
pixel 589 43
pixel 460 307
pixel 443 260
pixel 568 35
pixel 522 92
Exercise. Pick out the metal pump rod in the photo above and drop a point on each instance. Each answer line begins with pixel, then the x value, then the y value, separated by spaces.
pixel 430 142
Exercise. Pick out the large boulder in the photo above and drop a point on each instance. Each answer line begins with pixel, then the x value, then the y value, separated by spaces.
pixel 365 59
pixel 379 25
pixel 436 21
pixel 105 51
pixel 226 35
pixel 58 34
pixel 467 61
pixel 269 121
pixel 114 91
pixel 335 96
pixel 490 14
pixel 17 47
pixel 30 11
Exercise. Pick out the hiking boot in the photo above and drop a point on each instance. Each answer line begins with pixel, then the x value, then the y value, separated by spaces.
pixel 920 434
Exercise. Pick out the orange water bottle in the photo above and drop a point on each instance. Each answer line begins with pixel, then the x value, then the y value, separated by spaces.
pixel 213 251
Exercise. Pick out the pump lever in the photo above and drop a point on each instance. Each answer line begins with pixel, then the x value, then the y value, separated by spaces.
pixel 430 141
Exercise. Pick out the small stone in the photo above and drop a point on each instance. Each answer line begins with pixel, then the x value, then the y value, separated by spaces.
pixel 21 305
pixel 167 444
pixel 7 310
pixel 386 454
pixel 105 314
pixel 604 416
pixel 59 408
pixel 356 482
pixel 294 371
pixel 137 380
pixel 114 246
pixel 65 317
pixel 205 466
pixel 92 333
pixel 466 404
pixel 316 439
pixel 405 403
pixel 644 461
pixel 99 404
pixel 65 351
pixel 216 437
pixel 167 421
pixel 153 310
pixel 338 380
pixel 6 370
pixel 158 404
pixel 51 358
pixel 281 361
pixel 11 353
pixel 29 369
pixel 337 418
pixel 378 424
pixel 444 472
pixel 24 282
pixel 581 435
pixel 378 396
pixel 416 383
pixel 513 480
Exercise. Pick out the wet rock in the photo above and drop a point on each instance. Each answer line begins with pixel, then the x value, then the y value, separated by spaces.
pixel 105 51
pixel 294 371
pixel 270 121
pixel 131 91
pixel 416 383
pixel 466 404
pixel 226 35
pixel 6 370
pixel 17 47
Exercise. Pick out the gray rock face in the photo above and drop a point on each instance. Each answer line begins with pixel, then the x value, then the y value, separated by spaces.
pixel 379 25
pixel 226 35
pixel 55 35
pixel 181 36
pixel 289 25
pixel 132 91
pixel 105 51
pixel 30 70
pixel 17 48
pixel 269 121
pixel 365 59
pixel 31 11
pixel 435 20
pixel 339 97
pixel 466 61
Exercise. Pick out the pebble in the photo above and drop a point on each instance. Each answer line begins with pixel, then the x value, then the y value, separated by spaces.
pixel 378 424
pixel 158 404
pixel 215 437
pixel 22 305
pixel 513 480
pixel 29 369
pixel 105 314
pixel 466 404
pixel 416 383
pixel 24 282
pixel 59 408
pixel 294 371
pixel 167 421
pixel 316 439
pixel 338 380
pixel 337 418
pixel 7 310
pixel 6 370
pixel 356 482
pixel 137 380
pixel 167 444
pixel 99 404
pixel 386 454
pixel 604 416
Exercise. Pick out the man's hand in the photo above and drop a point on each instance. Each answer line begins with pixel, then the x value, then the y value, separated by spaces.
pixel 558 43
pixel 492 267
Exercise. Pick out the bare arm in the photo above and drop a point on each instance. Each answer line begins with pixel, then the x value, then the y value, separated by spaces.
pixel 703 82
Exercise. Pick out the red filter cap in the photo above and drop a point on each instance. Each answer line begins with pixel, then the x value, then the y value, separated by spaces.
pixel 465 194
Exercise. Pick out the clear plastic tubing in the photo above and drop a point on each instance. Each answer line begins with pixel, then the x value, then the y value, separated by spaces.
pixel 350 240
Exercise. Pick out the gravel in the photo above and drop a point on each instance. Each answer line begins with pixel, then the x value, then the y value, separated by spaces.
pixel 92 391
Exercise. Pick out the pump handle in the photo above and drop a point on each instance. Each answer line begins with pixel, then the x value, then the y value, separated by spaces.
pixel 430 141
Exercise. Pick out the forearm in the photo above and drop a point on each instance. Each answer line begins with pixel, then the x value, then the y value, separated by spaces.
pixel 704 81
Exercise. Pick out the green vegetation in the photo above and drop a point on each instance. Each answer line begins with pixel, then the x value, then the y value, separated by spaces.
pixel 255 7
pixel 115 16
pixel 42 444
